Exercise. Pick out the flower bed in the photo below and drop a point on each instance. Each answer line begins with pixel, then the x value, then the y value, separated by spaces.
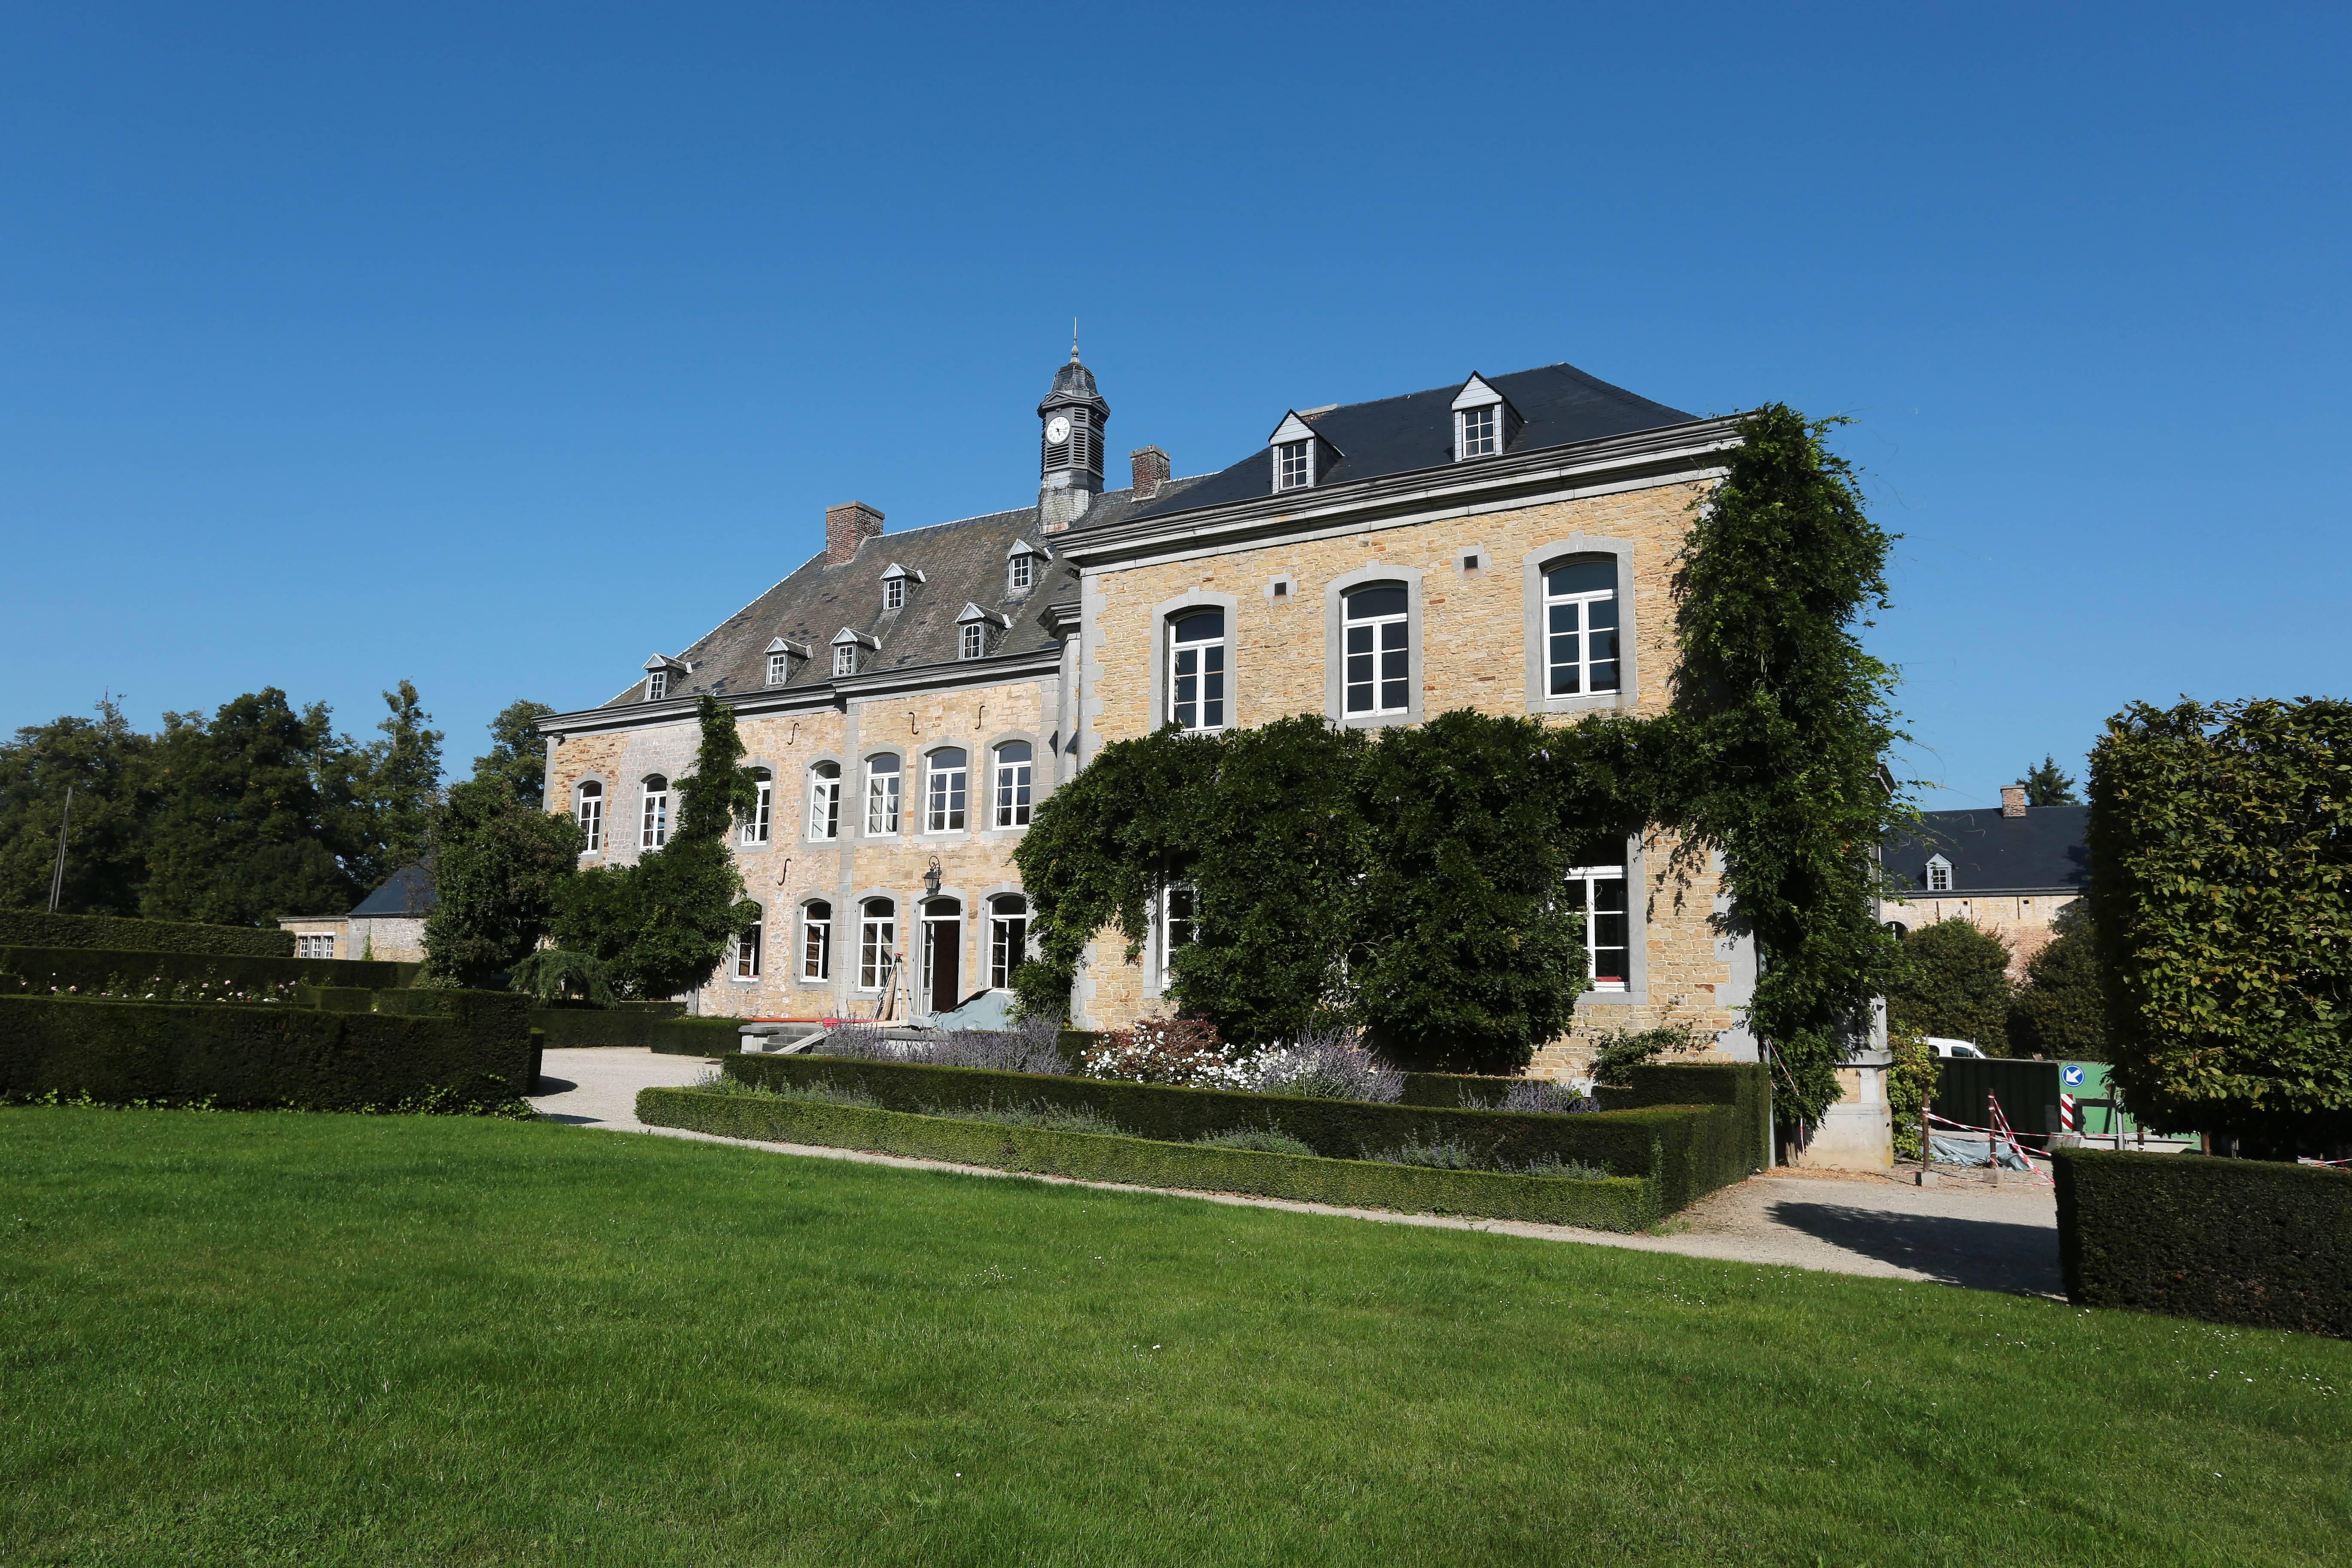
pixel 1618 1203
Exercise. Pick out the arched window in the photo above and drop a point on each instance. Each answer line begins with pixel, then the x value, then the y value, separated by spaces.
pixel 760 824
pixel 1179 926
pixel 817 940
pixel 591 816
pixel 824 800
pixel 1600 892
pixel 653 823
pixel 1196 669
pixel 947 774
pixel 1013 777
pixel 877 940
pixel 747 952
pixel 1378 674
pixel 881 795
pixel 942 979
pixel 973 640
pixel 1008 938
pixel 1581 626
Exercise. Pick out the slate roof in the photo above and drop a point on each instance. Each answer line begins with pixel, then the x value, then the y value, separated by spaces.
pixel 2042 852
pixel 407 891
pixel 962 562
pixel 1561 404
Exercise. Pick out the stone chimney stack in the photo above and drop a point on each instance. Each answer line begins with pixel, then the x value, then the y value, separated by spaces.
pixel 848 526
pixel 2012 800
pixel 1151 467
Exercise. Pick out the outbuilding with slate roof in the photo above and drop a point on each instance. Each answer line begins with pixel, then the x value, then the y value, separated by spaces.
pixel 2009 871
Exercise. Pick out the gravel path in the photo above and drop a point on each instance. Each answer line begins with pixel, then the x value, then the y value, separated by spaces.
pixel 1964 1231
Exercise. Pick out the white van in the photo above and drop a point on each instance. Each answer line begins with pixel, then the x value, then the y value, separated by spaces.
pixel 1954 1048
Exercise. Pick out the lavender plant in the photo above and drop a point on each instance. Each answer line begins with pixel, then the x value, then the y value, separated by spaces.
pixel 1327 1064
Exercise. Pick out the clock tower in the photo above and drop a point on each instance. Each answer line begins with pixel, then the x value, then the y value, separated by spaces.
pixel 1070 453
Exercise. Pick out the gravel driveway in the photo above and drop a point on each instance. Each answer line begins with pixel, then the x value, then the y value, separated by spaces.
pixel 1964 1231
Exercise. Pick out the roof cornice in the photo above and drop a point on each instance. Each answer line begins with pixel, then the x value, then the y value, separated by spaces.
pixel 835 693
pixel 1692 451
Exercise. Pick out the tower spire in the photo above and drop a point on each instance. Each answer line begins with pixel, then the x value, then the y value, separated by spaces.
pixel 1073 340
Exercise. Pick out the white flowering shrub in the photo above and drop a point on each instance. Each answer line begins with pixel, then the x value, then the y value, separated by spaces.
pixel 1181 1052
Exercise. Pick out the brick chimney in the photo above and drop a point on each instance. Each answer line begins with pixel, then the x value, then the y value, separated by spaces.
pixel 2012 800
pixel 1150 471
pixel 846 527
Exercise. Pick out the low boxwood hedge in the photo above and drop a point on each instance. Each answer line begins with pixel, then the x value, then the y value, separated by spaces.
pixel 89 969
pixel 1610 1203
pixel 1686 1150
pixel 477 1054
pixel 571 1029
pixel 38 928
pixel 2229 1241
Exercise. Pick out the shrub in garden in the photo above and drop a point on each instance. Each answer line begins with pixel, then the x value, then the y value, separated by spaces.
pixel 1327 1064
pixel 1954 984
pixel 2059 1011
pixel 1266 1140
pixel 1622 1050
pixel 1183 1052
pixel 1546 1098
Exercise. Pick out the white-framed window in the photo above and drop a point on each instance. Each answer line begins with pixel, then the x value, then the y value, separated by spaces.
pixel 653 821
pixel 947 773
pixel 1015 759
pixel 1196 669
pixel 1293 465
pixel 1940 875
pixel 1179 926
pixel 1600 891
pixel 824 800
pixel 1019 572
pixel 878 938
pixel 1008 938
pixel 758 827
pixel 1479 431
pixel 974 640
pixel 591 817
pixel 656 685
pixel 1581 626
pixel 817 940
pixel 845 656
pixel 314 947
pixel 881 795
pixel 894 593
pixel 780 668
pixel 1378 674
pixel 747 952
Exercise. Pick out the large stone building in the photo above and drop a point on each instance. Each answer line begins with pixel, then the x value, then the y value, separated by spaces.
pixel 2007 871
pixel 1500 543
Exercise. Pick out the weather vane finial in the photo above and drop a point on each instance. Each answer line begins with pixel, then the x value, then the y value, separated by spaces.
pixel 1073 340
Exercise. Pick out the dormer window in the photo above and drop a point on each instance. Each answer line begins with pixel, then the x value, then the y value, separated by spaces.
pixel 1297 465
pixel 971 630
pixel 781 654
pixel 661 671
pixel 1483 421
pixel 894 593
pixel 1478 432
pixel 656 685
pixel 1302 458
pixel 1021 572
pixel 1940 875
pixel 975 641
pixel 845 657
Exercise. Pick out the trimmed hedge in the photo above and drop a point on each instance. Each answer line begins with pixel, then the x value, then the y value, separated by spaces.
pixel 571 1029
pixel 2229 1241
pixel 1610 1204
pixel 38 928
pixel 90 968
pixel 1685 1150
pixel 478 1053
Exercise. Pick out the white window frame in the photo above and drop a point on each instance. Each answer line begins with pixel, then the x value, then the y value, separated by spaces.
pixel 816 940
pixel 747 954
pixel 947 791
pixel 1583 882
pixel 780 668
pixel 1005 953
pixel 894 593
pixel 1170 922
pixel 972 640
pixel 588 810
pixel 845 657
pixel 877 935
pixel 653 815
pixel 825 804
pixel 1013 791
pixel 1378 652
pixel 758 828
pixel 1204 652
pixel 1580 602
pixel 1939 874
pixel 307 944
pixel 1021 573
pixel 1478 431
pixel 1293 465
pixel 884 794
pixel 656 685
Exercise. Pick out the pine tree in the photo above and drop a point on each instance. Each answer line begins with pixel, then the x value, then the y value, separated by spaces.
pixel 2048 785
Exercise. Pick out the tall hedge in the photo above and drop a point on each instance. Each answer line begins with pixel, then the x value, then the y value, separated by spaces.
pixel 35 928
pixel 2230 1241
pixel 2220 841
pixel 89 969
pixel 477 1054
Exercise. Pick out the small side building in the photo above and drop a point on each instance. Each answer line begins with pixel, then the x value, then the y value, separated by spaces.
pixel 388 925
pixel 2008 871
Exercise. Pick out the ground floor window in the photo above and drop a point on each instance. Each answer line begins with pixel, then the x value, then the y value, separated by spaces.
pixel 1178 924
pixel 817 940
pixel 314 947
pixel 877 940
pixel 1008 938
pixel 1600 892
pixel 747 952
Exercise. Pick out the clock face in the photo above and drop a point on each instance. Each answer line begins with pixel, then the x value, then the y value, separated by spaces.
pixel 1057 429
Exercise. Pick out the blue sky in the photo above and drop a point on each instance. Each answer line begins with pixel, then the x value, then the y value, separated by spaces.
pixel 496 347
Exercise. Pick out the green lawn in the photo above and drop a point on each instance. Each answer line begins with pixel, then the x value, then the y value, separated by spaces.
pixel 233 1339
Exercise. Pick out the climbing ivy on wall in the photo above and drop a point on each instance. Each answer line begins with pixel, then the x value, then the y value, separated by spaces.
pixel 1405 883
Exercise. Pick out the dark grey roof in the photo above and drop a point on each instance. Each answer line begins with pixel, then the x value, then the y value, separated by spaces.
pixel 1561 404
pixel 407 891
pixel 2042 852
pixel 960 563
